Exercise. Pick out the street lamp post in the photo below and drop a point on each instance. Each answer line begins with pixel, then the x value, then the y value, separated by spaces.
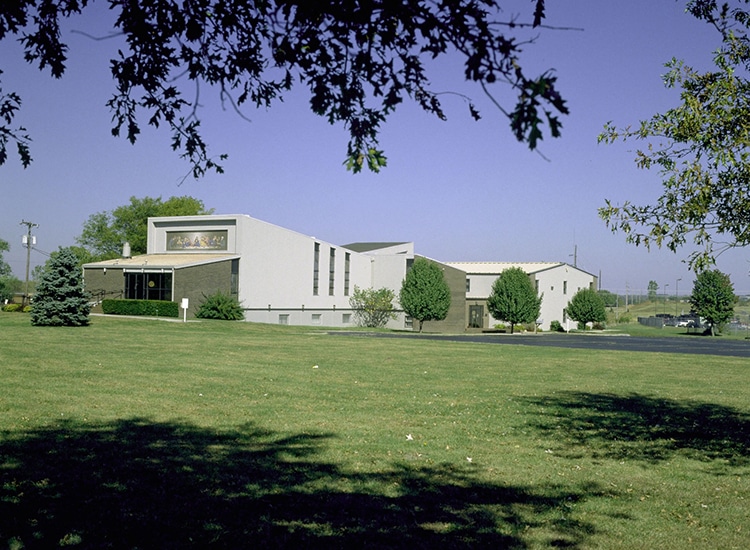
pixel 665 297
pixel 676 295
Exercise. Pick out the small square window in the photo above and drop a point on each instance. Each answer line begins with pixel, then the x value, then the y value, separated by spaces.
pixel 283 318
pixel 346 318
pixel 316 318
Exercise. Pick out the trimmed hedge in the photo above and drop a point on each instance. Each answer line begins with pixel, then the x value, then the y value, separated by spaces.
pixel 150 308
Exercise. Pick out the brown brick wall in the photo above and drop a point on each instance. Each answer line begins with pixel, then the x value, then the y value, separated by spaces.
pixel 195 282
pixel 455 321
pixel 104 284
pixel 191 283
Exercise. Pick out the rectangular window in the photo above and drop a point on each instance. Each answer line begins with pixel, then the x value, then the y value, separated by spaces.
pixel 346 318
pixel 148 286
pixel 347 261
pixel 316 269
pixel 316 318
pixel 283 318
pixel 565 287
pixel 536 286
pixel 331 271
pixel 468 285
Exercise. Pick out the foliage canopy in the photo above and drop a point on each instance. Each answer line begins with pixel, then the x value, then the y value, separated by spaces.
pixel 713 298
pixel 357 59
pixel 104 233
pixel 220 306
pixel 701 149
pixel 425 296
pixel 587 306
pixel 513 298
pixel 372 308
pixel 8 282
pixel 59 299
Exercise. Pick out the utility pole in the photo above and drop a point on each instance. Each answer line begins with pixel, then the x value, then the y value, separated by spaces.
pixel 626 295
pixel 28 240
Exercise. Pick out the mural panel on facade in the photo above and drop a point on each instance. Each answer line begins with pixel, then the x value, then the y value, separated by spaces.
pixel 196 240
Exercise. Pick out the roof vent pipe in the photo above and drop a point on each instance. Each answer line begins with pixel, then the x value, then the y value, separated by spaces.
pixel 126 250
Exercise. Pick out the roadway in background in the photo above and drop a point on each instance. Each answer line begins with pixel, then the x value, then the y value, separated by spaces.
pixel 696 345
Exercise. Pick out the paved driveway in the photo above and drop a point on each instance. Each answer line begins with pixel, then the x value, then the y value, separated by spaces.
pixel 700 345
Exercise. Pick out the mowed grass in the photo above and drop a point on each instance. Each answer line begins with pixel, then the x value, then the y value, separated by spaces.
pixel 153 434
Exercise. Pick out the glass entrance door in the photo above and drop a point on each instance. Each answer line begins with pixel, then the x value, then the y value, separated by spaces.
pixel 476 316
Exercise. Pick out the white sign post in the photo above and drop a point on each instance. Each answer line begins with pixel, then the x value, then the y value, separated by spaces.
pixel 184 306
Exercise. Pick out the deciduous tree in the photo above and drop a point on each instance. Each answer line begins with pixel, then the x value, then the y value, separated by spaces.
pixel 8 283
pixel 104 233
pixel 587 306
pixel 372 308
pixel 59 299
pixel 513 298
pixel 713 298
pixel 701 149
pixel 357 59
pixel 425 296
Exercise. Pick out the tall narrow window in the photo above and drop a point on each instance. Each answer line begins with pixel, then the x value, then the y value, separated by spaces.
pixel 316 269
pixel 565 287
pixel 347 260
pixel 235 281
pixel 331 271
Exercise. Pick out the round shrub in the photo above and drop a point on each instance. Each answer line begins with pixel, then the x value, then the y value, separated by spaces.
pixel 220 306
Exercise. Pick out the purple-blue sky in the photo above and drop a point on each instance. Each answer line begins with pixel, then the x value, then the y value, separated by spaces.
pixel 461 190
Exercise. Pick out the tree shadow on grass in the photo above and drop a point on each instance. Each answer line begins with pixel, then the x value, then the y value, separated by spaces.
pixel 140 484
pixel 646 428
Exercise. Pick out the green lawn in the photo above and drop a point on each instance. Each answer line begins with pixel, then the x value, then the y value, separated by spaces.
pixel 154 434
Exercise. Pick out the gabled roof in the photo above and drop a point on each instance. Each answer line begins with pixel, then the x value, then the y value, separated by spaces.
pixel 495 268
pixel 369 247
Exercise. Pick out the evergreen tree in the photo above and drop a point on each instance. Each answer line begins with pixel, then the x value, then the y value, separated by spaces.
pixel 587 306
pixel 713 298
pixel 425 296
pixel 60 299
pixel 513 298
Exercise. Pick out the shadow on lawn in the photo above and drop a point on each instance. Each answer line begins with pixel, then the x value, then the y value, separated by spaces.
pixel 140 484
pixel 647 428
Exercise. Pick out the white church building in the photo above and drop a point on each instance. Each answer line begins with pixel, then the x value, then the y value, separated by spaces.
pixel 284 277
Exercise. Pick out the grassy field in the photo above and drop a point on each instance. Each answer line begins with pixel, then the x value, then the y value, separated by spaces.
pixel 154 434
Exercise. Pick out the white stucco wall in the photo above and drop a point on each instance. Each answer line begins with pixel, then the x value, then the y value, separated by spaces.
pixel 276 269
pixel 557 282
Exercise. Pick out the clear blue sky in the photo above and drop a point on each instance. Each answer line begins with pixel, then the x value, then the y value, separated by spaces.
pixel 461 190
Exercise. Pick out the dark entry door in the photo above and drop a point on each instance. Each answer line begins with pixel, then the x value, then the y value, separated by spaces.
pixel 476 316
